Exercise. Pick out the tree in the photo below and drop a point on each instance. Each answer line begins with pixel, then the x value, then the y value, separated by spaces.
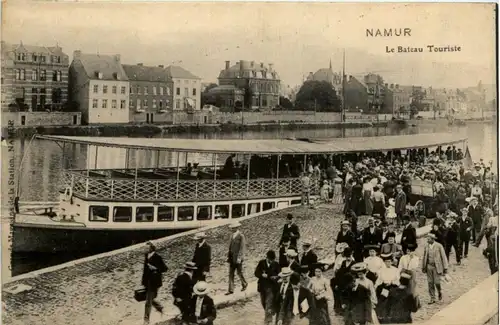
pixel 319 96
pixel 248 95
pixel 286 103
pixel 416 104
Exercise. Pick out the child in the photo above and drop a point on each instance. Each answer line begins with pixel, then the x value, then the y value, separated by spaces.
pixel 391 212
pixel 325 191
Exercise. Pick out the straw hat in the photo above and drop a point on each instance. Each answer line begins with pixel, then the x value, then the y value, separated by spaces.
pixel 341 247
pixel 190 266
pixel 200 235
pixel 285 272
pixel 201 288
pixel 359 267
pixel 386 257
pixel 291 253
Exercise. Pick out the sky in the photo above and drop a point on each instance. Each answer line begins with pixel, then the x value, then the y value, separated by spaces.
pixel 297 38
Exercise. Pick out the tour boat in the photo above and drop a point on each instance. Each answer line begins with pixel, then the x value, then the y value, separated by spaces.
pixel 103 207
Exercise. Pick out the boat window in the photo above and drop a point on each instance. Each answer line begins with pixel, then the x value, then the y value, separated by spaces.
pixel 283 204
pixel 122 214
pixel 185 213
pixel 144 214
pixel 204 212
pixel 165 213
pixel 268 206
pixel 238 211
pixel 295 202
pixel 221 212
pixel 99 213
pixel 253 208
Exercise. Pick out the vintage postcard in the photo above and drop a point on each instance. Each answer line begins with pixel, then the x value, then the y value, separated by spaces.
pixel 249 163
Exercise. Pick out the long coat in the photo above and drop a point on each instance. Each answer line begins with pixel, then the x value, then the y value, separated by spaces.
pixel 237 247
pixel 153 278
pixel 409 236
pixel 202 257
pixel 272 271
pixel 347 238
pixel 309 259
pixel 439 257
pixel 369 238
pixel 476 214
pixel 286 305
pixel 400 203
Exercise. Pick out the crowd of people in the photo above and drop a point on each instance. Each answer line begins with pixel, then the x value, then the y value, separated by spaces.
pixel 373 276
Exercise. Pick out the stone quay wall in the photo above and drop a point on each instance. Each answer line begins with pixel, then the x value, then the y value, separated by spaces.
pixel 30 119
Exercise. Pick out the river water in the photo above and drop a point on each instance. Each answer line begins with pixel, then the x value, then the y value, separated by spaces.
pixel 43 160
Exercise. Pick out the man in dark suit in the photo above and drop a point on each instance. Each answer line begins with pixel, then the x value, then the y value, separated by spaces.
pixel 267 272
pixel 154 267
pixel 284 247
pixel 475 212
pixel 237 247
pixel 202 306
pixel 465 227
pixel 400 204
pixel 182 289
pixel 291 231
pixel 202 258
pixel 386 233
pixel 371 235
pixel 409 235
pixel 308 258
pixel 345 235
pixel 295 302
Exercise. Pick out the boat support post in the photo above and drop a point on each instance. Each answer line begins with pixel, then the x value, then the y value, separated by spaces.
pixel 135 174
pixel 177 179
pixel 278 173
pixel 215 172
pixel 248 172
pixel 18 189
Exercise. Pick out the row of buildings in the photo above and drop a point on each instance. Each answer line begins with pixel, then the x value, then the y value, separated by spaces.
pixel 101 87
pixel 370 94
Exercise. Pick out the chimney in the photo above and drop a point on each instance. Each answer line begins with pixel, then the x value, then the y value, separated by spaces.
pixel 241 64
pixel 117 57
pixel 77 54
pixel 227 64
pixel 161 66
pixel 140 64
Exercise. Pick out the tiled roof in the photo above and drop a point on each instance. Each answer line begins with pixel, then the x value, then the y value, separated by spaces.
pixel 109 65
pixel 50 50
pixel 145 73
pixel 224 88
pixel 249 69
pixel 175 71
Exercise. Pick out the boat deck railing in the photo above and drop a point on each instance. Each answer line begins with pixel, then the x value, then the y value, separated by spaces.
pixel 124 185
pixel 98 185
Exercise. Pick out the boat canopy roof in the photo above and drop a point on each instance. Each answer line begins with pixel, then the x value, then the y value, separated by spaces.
pixel 269 146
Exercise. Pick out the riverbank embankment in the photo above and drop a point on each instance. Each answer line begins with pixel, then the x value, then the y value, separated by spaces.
pixel 150 130
pixel 100 288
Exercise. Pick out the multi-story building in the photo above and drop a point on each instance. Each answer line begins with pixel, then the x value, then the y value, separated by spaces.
pixel 186 89
pixel 327 74
pixel 100 86
pixel 150 92
pixel 261 81
pixel 34 78
pixel 398 98
pixel 367 95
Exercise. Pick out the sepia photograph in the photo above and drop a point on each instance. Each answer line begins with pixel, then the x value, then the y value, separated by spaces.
pixel 249 163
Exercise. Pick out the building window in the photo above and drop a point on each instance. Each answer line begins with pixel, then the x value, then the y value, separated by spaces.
pixel 124 89
pixel 56 76
pixel 104 89
pixel 138 103
pixel 160 104
pixel 113 90
pixel 113 103
pixel 34 74
pixel 167 89
pixel 131 90
pixel 177 103
pixel 34 57
pixel 18 74
pixel 138 90
pixel 96 89
pixel 145 90
pixel 177 91
pixel 186 92
pixel 95 103
pixel 42 58
pixel 194 91
pixel 131 104
pixel 23 74
pixel 154 90
pixel 145 103
pixel 21 56
pixel 161 91
pixel 123 103
pixel 154 102
pixel 104 103
pixel 43 75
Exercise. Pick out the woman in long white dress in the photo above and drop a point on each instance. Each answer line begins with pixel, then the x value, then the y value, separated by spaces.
pixel 409 263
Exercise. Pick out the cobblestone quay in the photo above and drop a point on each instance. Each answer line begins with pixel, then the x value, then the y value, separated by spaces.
pixel 100 291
